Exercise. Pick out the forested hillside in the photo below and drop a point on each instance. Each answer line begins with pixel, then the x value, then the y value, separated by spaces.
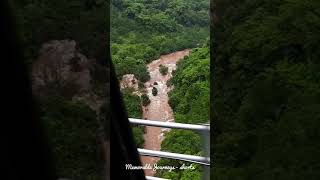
pixel 190 97
pixel 142 30
pixel 44 20
pixel 190 103
pixel 266 89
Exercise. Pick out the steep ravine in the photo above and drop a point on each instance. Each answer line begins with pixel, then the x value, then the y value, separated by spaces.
pixel 158 109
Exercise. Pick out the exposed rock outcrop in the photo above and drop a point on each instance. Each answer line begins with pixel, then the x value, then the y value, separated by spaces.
pixel 60 67
pixel 129 81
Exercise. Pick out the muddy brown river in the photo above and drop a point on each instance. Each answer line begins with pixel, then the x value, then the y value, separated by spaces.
pixel 159 108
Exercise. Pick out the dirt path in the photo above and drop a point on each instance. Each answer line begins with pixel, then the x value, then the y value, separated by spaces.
pixel 159 108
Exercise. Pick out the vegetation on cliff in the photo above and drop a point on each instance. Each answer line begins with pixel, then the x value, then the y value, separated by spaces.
pixel 143 30
pixel 72 123
pixel 190 103
pixel 266 89
pixel 133 105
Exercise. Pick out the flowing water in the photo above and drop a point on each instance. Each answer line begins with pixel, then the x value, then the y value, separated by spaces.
pixel 158 109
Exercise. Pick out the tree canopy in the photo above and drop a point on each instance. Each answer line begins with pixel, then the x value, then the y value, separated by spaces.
pixel 190 103
pixel 266 89
pixel 143 30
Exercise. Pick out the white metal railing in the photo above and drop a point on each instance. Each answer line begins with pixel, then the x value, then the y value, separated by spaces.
pixel 177 156
pixel 203 129
pixel 194 127
pixel 154 178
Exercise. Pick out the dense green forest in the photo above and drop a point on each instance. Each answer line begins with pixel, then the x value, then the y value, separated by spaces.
pixel 142 30
pixel 266 89
pixel 40 21
pixel 190 103
pixel 190 97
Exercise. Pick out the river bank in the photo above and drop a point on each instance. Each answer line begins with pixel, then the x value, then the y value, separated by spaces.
pixel 159 109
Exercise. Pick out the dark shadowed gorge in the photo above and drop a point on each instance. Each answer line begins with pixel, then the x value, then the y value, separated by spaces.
pixel 64 50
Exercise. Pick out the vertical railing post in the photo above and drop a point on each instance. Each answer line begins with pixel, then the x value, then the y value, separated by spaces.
pixel 206 151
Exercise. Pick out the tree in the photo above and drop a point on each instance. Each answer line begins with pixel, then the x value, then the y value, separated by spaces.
pixel 175 141
pixel 145 99
pixel 133 107
pixel 190 103
pixel 163 69
pixel 138 135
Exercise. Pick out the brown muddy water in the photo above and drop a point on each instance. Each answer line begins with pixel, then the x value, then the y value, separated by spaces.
pixel 159 109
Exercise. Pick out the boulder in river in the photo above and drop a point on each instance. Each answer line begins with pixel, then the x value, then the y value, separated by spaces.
pixel 154 91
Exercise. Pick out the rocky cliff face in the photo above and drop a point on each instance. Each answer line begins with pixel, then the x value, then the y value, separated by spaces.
pixel 62 68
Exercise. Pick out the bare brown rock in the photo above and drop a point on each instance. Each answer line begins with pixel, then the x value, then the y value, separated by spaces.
pixel 62 68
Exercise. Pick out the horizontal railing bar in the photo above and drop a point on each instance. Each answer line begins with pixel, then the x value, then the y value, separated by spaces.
pixel 194 127
pixel 154 178
pixel 177 156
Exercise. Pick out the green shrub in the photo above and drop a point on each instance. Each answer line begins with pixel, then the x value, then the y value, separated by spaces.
pixel 132 103
pixel 141 73
pixel 145 100
pixel 169 83
pixel 163 70
pixel 140 85
pixel 138 135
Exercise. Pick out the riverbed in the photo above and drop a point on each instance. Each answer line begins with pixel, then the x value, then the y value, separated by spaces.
pixel 159 109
